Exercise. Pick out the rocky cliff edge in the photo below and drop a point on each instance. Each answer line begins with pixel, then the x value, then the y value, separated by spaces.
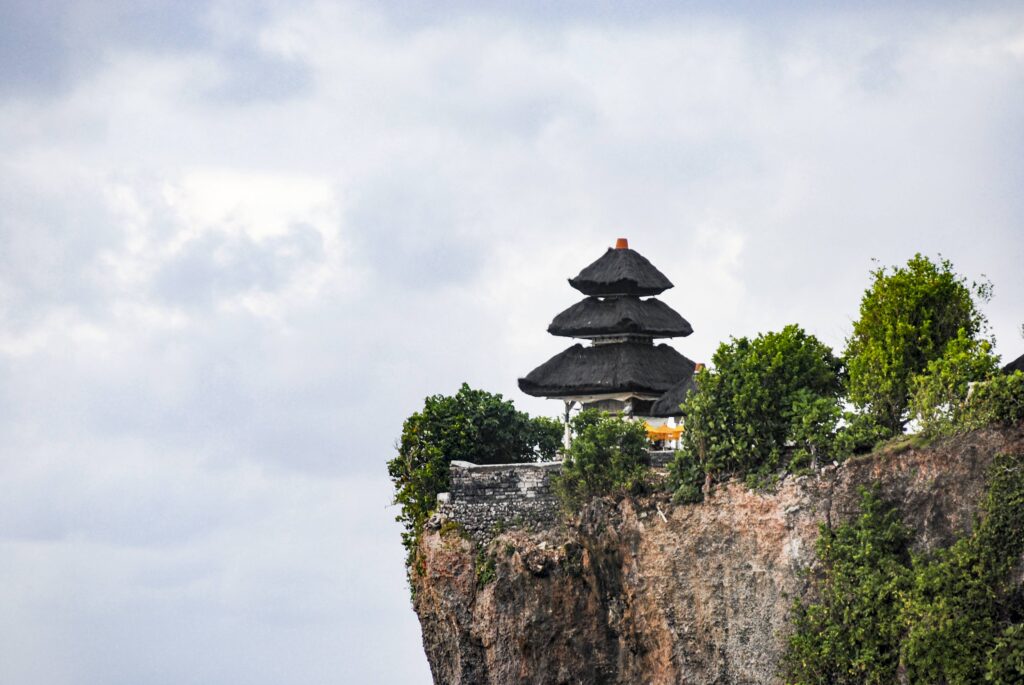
pixel 643 591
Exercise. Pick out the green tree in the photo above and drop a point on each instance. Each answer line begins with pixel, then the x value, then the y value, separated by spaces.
pixel 472 425
pixel 764 394
pixel 908 316
pixel 608 455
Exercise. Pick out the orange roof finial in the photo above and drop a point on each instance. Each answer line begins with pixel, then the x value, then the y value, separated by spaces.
pixel 621 244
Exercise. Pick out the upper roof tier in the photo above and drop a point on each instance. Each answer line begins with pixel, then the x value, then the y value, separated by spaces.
pixel 629 367
pixel 594 317
pixel 621 271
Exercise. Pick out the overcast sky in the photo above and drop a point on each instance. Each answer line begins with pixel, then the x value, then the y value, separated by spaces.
pixel 241 242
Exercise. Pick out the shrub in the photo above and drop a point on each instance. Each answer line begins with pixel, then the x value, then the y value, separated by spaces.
pixel 939 395
pixel 908 316
pixel 950 617
pixel 608 454
pixel 473 425
pixel 686 476
pixel 813 425
pixel 850 636
pixel 485 567
pixel 964 390
pixel 777 390
pixel 1005 665
pixel 997 401
pixel 961 600
pixel 859 433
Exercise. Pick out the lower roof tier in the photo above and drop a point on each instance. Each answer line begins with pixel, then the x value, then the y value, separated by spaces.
pixel 668 404
pixel 603 369
pixel 1016 365
pixel 594 317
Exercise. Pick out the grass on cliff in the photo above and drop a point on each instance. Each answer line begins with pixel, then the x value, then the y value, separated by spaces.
pixel 955 616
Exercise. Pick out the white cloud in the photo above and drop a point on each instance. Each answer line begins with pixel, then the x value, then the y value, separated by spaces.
pixel 220 297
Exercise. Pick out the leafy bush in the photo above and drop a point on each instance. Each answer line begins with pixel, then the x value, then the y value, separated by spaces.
pixel 473 425
pixel 951 617
pixel 851 634
pixel 961 599
pixel 997 401
pixel 814 421
pixel 908 316
pixel 485 567
pixel 859 433
pixel 964 390
pixel 686 476
pixel 777 390
pixel 1005 664
pixel 608 454
pixel 939 395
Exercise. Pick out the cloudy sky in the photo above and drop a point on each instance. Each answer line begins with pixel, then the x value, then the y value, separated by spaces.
pixel 241 241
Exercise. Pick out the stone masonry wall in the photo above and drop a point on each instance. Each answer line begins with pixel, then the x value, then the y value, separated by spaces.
pixel 485 499
pixel 661 458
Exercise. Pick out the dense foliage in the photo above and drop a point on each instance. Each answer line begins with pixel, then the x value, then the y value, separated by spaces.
pixel 952 617
pixel 964 390
pixel 775 391
pixel 850 635
pixel 608 454
pixel 908 316
pixel 472 425
pixel 938 400
pixel 999 401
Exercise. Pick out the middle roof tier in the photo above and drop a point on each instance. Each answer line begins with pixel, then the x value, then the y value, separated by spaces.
pixel 595 317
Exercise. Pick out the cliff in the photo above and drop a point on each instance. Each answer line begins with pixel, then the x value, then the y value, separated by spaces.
pixel 643 591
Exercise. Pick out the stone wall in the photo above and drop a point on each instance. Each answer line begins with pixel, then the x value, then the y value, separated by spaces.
pixel 660 459
pixel 487 499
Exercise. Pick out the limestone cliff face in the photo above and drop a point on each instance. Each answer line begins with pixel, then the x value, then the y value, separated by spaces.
pixel 644 591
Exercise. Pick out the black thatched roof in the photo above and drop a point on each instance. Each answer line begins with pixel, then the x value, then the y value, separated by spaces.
pixel 668 404
pixel 621 367
pixel 621 272
pixel 1016 365
pixel 620 315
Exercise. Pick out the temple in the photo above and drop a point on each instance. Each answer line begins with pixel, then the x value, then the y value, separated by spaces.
pixel 621 370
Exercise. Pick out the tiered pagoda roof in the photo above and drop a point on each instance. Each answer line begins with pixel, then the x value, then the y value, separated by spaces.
pixel 595 317
pixel 668 404
pixel 621 271
pixel 622 363
pixel 1016 365
pixel 616 369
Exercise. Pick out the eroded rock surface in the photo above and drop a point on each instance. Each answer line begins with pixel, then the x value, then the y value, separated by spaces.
pixel 644 591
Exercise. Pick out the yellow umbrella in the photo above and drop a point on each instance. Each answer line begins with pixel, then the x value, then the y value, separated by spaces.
pixel 663 432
